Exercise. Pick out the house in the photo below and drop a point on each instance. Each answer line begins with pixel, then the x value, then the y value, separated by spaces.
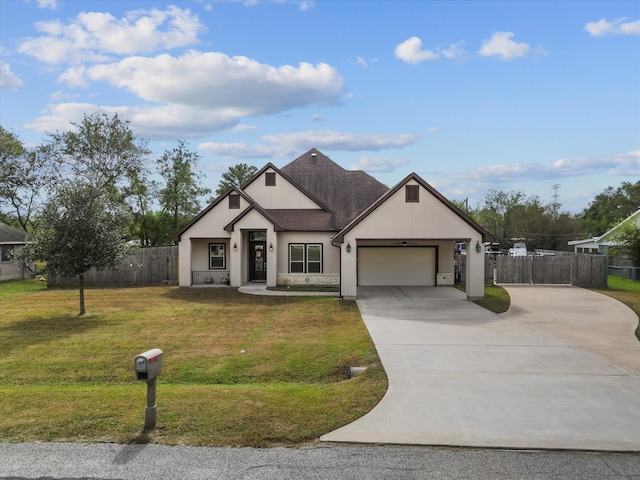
pixel 601 244
pixel 313 222
pixel 12 241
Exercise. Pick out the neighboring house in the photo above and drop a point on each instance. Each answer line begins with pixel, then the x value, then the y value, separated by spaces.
pixel 601 244
pixel 12 241
pixel 313 222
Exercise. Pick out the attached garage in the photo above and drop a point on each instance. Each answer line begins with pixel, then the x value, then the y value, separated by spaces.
pixel 401 266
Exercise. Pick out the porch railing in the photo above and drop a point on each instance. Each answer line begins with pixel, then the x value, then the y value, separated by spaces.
pixel 210 277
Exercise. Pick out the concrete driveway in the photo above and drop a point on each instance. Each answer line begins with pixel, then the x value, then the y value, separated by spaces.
pixel 560 370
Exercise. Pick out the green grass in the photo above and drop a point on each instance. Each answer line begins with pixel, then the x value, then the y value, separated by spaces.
pixel 495 298
pixel 238 369
pixel 625 290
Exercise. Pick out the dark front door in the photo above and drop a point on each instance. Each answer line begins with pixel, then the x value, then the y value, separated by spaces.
pixel 257 261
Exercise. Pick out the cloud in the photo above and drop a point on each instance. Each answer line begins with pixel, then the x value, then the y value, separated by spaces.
pixel 622 164
pixel 241 150
pixel 50 4
pixel 501 45
pixel 236 87
pixel 8 79
pixel 619 26
pixel 410 51
pixel 378 164
pixel 97 36
pixel 332 140
pixel 204 92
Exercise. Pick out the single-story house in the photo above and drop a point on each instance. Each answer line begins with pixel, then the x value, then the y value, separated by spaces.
pixel 313 222
pixel 600 245
pixel 12 241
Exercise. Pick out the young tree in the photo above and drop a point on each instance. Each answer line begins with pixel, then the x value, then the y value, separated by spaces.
pixel 609 206
pixel 180 195
pixel 235 177
pixel 101 151
pixel 25 179
pixel 81 228
pixel 627 241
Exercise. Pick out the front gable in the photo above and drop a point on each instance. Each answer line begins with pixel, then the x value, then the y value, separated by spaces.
pixel 271 189
pixel 412 209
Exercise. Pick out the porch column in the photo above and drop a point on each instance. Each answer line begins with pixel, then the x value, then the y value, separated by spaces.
pixel 184 262
pixel 272 258
pixel 348 269
pixel 235 259
pixel 475 269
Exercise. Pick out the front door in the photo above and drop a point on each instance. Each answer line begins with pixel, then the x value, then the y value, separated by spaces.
pixel 257 257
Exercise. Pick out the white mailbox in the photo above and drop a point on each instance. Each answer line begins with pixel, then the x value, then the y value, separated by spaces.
pixel 148 364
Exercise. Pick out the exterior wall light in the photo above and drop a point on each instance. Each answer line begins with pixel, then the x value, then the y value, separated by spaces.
pixel 478 246
pixel 235 247
pixel 348 247
pixel 270 247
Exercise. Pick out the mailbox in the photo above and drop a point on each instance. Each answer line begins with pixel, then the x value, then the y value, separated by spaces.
pixel 148 364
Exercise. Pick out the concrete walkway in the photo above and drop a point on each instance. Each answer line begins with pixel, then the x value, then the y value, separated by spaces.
pixel 261 289
pixel 560 370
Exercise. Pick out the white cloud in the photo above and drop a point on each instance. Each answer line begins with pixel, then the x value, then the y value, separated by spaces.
pixel 378 164
pixel 410 51
pixel 242 150
pixel 96 36
pixel 164 122
pixel 454 52
pixel 619 26
pixel 50 4
pixel 8 79
pixel 501 45
pixel 612 165
pixel 332 140
pixel 235 87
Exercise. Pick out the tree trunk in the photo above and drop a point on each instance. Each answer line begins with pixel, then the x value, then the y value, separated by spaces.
pixel 81 278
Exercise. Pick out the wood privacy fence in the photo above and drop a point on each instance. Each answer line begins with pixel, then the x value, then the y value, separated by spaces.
pixel 148 266
pixel 576 269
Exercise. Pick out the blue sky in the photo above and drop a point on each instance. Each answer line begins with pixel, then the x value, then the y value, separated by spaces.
pixel 470 95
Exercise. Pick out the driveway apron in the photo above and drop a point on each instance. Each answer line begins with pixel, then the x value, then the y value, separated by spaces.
pixel 559 370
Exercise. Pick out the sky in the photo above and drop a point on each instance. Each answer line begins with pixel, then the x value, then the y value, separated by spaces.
pixel 541 97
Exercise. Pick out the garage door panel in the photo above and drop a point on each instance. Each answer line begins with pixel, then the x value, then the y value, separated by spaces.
pixel 396 266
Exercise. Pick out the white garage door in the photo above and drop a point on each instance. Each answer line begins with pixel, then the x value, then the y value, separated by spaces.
pixel 397 266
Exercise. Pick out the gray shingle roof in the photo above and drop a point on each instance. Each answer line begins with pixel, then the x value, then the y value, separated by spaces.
pixel 346 193
pixel 12 236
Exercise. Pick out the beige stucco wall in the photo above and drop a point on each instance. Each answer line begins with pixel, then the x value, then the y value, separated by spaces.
pixel 427 219
pixel 282 195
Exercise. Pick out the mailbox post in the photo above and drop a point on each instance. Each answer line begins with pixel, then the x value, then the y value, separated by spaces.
pixel 148 366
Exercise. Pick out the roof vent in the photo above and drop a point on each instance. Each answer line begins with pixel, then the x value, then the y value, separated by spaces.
pixel 314 154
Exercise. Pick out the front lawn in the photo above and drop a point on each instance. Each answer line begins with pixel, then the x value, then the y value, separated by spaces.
pixel 238 369
pixel 625 290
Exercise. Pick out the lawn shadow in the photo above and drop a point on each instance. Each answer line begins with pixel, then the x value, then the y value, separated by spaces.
pixel 33 331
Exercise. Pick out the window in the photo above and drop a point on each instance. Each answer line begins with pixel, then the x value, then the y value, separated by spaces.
pixel 234 200
pixel 412 193
pixel 270 179
pixel 6 253
pixel 305 258
pixel 216 256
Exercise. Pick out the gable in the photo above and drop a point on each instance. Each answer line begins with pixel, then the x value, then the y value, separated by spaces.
pixel 418 211
pixel 272 190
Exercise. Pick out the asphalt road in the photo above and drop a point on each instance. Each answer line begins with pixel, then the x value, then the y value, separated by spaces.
pixel 67 461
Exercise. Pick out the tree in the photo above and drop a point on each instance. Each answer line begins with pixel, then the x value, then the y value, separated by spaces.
pixel 609 207
pixel 81 228
pixel 180 194
pixel 627 241
pixel 25 179
pixel 101 151
pixel 235 177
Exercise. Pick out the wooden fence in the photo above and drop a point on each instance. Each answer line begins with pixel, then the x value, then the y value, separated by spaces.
pixel 576 269
pixel 149 266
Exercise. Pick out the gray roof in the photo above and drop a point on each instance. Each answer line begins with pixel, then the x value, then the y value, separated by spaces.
pixel 12 236
pixel 345 193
